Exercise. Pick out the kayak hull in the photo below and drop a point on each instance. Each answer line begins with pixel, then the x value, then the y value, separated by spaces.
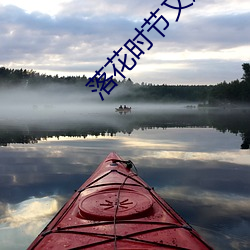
pixel 116 209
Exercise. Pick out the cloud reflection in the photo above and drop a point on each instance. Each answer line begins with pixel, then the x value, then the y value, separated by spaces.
pixel 223 156
pixel 228 203
pixel 22 222
pixel 222 213
pixel 29 212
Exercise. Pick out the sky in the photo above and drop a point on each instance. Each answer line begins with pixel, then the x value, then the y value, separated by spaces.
pixel 208 44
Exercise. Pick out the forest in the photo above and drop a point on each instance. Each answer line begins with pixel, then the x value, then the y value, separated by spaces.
pixel 224 93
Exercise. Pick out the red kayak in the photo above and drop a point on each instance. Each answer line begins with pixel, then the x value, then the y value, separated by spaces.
pixel 116 209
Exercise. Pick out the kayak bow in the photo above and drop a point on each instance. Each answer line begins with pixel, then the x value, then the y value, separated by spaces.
pixel 116 209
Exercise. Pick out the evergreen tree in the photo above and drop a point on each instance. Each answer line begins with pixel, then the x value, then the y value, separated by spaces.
pixel 246 75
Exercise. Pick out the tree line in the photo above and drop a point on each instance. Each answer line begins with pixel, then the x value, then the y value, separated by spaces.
pixel 236 91
pixel 31 78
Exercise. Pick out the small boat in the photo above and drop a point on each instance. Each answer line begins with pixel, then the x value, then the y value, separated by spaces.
pixel 125 110
pixel 116 209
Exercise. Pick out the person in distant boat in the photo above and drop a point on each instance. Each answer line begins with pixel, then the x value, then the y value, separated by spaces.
pixel 120 107
pixel 125 106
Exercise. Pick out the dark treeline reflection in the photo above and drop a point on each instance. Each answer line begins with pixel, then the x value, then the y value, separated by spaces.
pixel 234 121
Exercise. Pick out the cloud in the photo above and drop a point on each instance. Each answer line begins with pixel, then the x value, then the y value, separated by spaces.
pixel 79 38
pixel 44 40
pixel 215 32
pixel 29 211
pixel 94 8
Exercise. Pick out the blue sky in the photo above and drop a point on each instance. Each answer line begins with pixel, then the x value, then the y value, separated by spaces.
pixel 208 44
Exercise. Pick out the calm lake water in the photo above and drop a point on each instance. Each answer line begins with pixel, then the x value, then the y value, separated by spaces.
pixel 197 160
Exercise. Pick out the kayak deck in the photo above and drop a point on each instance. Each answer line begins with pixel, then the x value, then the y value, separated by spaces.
pixel 116 209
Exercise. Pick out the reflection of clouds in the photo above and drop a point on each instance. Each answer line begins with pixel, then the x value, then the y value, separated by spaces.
pixel 22 222
pixel 236 157
pixel 2 209
pixel 29 213
pixel 228 203
pixel 222 219
pixel 203 144
pixel 147 144
pixel 184 139
pixel 227 240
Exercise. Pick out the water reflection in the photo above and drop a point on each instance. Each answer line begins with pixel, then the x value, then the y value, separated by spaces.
pixel 111 123
pixel 195 166
pixel 21 221
pixel 33 209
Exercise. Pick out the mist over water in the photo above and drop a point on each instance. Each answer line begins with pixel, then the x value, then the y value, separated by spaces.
pixel 48 102
pixel 63 103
